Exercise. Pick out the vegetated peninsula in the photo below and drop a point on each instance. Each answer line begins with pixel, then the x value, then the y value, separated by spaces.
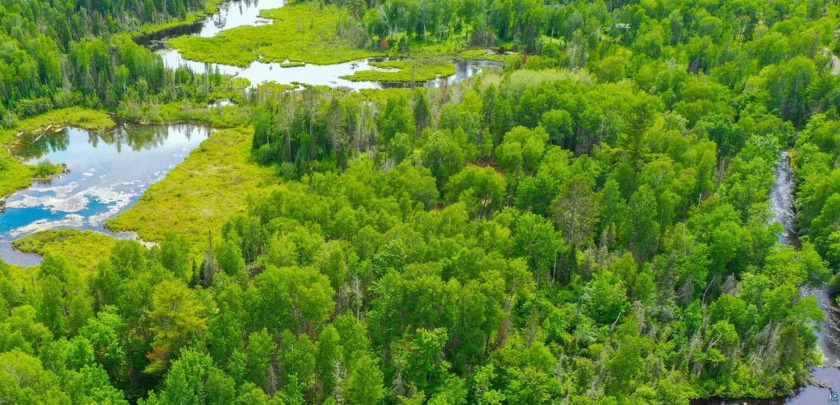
pixel 489 202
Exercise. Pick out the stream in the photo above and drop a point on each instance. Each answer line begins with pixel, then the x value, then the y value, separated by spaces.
pixel 238 13
pixel 107 173
pixel 828 375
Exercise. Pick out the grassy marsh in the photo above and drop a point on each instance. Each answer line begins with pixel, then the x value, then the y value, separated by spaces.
pixel 483 54
pixel 81 249
pixel 201 193
pixel 299 33
pixel 407 70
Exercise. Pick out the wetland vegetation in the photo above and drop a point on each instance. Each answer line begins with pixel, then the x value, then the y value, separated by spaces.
pixel 412 70
pixel 300 33
pixel 588 223
pixel 201 194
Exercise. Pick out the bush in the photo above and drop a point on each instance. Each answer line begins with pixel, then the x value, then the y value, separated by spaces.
pixel 8 120
pixel 287 171
pixel 45 170
pixel 29 108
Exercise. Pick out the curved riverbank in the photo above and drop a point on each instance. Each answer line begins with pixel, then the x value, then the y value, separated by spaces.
pixel 18 175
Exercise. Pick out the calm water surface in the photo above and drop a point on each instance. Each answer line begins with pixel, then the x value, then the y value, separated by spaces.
pixel 107 174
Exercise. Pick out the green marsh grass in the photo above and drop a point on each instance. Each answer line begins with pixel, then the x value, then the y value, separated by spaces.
pixel 299 33
pixel 81 249
pixel 201 193
pixel 407 70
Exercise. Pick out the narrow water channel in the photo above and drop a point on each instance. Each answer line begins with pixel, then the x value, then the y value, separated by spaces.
pixel 108 173
pixel 827 375
pixel 238 13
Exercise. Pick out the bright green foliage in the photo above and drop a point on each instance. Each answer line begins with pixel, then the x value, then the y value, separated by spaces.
pixel 177 318
pixel 258 356
pixel 194 379
pixel 521 150
pixel 26 381
pixel 421 360
pixel 104 334
pixel 576 211
pixel 640 230
pixel 443 156
pixel 364 381
pixel 97 71
pixel 396 118
pixel 229 258
pixel 174 256
pixel 290 298
pixel 328 364
pixel 480 188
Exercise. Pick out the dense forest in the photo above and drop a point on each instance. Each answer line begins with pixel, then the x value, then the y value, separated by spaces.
pixel 60 54
pixel 589 224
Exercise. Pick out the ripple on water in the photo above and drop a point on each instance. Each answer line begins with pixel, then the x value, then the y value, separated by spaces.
pixel 69 221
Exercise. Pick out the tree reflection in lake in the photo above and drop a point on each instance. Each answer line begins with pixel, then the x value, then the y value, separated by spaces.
pixel 107 173
pixel 131 136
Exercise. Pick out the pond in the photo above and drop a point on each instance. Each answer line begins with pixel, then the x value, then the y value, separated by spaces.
pixel 107 173
pixel 237 13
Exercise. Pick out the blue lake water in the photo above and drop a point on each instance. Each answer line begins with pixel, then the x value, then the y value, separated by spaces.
pixel 107 174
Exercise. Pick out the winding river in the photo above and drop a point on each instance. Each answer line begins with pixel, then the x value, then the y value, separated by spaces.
pixel 827 374
pixel 98 186
pixel 238 13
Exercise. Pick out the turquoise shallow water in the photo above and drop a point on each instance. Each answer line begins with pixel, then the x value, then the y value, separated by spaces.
pixel 107 174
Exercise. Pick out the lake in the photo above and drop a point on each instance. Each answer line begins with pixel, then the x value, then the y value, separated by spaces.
pixel 108 173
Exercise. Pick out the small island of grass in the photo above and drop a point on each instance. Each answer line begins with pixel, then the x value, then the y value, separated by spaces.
pixel 81 249
pixel 409 70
